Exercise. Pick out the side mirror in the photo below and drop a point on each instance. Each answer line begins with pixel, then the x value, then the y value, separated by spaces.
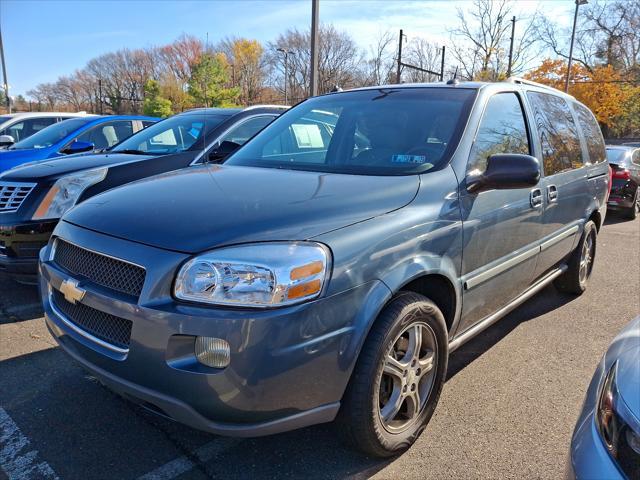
pixel 222 151
pixel 506 171
pixel 78 147
pixel 6 140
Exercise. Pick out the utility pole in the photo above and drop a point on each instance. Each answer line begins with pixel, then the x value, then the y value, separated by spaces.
pixel 513 34
pixel 286 53
pixel 399 57
pixel 4 76
pixel 573 36
pixel 315 6
pixel 442 66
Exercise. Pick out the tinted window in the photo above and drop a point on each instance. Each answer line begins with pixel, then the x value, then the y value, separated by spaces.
pixel 247 129
pixel 558 133
pixel 502 130
pixel 592 133
pixel 51 135
pixel 107 134
pixel 175 134
pixel 636 157
pixel 383 131
pixel 26 128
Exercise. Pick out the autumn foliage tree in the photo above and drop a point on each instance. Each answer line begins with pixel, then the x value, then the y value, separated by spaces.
pixel 600 89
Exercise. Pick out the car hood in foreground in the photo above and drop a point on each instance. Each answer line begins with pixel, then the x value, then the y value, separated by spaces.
pixel 200 208
pixel 628 374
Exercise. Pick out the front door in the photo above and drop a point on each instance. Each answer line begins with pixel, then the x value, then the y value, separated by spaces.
pixel 501 227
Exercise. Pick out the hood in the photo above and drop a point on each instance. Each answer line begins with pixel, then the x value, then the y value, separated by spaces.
pixel 200 208
pixel 12 158
pixel 58 167
pixel 628 375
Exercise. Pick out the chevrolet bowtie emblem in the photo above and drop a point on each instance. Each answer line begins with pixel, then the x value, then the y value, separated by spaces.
pixel 72 292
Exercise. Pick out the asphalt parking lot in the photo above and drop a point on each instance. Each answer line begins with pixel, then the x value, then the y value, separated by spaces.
pixel 507 410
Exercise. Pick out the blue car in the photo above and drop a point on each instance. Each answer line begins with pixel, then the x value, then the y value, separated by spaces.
pixel 76 135
pixel 606 440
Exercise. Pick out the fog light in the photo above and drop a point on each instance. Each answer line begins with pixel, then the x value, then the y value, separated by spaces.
pixel 213 352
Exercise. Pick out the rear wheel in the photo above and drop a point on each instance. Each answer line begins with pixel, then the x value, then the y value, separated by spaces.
pixel 575 279
pixel 632 212
pixel 398 378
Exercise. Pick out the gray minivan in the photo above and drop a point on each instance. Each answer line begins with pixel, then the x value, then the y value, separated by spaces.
pixel 330 266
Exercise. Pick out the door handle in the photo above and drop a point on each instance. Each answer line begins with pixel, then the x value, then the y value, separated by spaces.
pixel 552 193
pixel 535 197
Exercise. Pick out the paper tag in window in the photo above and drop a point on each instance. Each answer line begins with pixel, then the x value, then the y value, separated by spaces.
pixel 418 159
pixel 307 135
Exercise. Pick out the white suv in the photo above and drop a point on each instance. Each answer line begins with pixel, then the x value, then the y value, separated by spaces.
pixel 18 126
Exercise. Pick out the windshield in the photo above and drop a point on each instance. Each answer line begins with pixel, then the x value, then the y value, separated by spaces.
pixel 173 135
pixel 617 155
pixel 385 131
pixel 51 135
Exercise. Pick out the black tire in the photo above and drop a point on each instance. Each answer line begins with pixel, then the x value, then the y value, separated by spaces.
pixel 360 414
pixel 572 281
pixel 632 213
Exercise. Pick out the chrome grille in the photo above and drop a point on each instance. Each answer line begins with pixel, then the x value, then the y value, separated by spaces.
pixel 106 327
pixel 13 194
pixel 100 269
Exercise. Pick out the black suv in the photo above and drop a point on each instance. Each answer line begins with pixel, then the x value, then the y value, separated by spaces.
pixel 34 197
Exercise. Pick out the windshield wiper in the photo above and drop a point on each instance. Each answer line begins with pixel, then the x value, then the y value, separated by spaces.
pixel 131 151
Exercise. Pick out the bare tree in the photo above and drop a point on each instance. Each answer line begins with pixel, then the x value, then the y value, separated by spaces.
pixel 480 43
pixel 379 67
pixel 422 54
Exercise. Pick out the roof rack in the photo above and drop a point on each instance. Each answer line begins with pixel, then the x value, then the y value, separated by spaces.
pixel 253 107
pixel 524 81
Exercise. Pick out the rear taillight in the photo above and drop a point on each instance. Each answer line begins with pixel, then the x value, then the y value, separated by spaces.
pixel 622 174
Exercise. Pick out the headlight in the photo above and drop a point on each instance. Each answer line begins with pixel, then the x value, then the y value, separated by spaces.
pixel 65 193
pixel 618 427
pixel 255 275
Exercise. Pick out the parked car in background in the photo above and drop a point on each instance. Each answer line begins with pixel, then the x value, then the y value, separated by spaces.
pixel 606 439
pixel 625 165
pixel 46 190
pixel 330 265
pixel 15 127
pixel 84 134
pixel 632 144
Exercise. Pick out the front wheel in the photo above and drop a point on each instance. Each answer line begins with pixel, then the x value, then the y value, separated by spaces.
pixel 632 212
pixel 398 378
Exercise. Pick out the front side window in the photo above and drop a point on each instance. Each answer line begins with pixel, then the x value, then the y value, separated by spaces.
pixel 51 135
pixel 592 133
pixel 247 129
pixel 502 130
pixel 173 135
pixel 107 134
pixel 382 131
pixel 26 128
pixel 558 133
pixel 636 157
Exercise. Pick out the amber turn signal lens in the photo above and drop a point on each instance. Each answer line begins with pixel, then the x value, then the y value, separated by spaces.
pixel 306 271
pixel 304 289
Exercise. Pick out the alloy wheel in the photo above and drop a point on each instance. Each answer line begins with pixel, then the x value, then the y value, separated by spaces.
pixel 586 258
pixel 407 377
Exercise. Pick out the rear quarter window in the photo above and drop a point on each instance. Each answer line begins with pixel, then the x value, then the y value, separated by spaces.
pixel 557 131
pixel 592 134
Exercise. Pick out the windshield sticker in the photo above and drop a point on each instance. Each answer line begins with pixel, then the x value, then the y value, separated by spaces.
pixel 419 159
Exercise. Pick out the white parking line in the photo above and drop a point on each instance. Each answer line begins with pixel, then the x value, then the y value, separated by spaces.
pixel 18 465
pixel 182 464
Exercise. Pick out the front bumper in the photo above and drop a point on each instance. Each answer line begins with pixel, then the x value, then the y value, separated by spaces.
pixel 289 366
pixel 19 247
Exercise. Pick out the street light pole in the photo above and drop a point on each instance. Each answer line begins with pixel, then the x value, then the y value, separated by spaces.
pixel 286 53
pixel 573 36
pixel 513 34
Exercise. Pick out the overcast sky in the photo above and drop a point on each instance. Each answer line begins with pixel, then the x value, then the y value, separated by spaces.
pixel 44 39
